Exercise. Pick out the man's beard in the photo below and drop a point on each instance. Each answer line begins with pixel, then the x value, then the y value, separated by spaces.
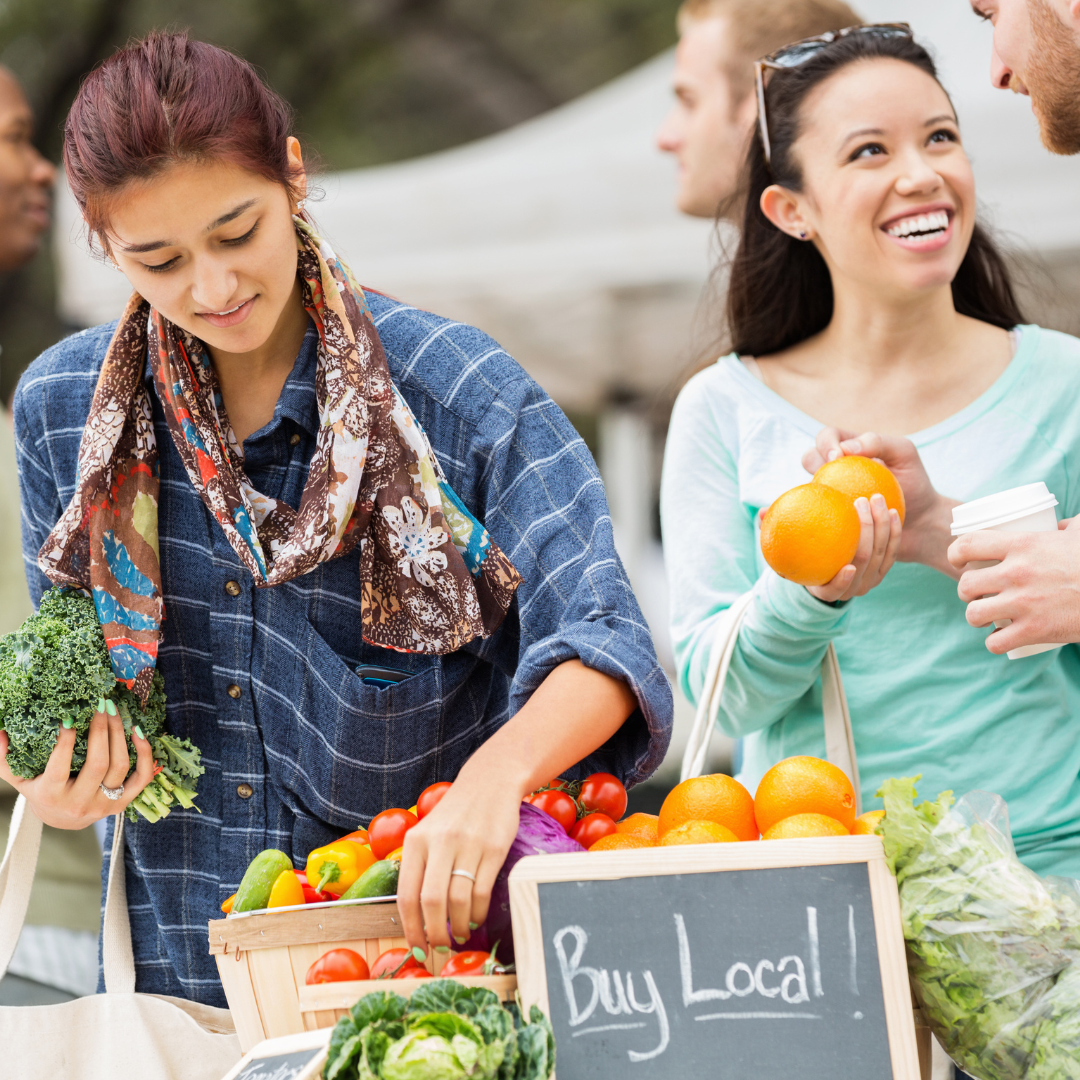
pixel 1053 80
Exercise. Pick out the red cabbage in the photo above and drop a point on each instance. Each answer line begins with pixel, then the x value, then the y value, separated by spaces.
pixel 538 834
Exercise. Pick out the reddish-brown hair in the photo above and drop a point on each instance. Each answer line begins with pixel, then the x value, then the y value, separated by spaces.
pixel 166 99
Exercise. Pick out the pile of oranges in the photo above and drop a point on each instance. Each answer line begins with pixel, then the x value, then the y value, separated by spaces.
pixel 811 532
pixel 800 796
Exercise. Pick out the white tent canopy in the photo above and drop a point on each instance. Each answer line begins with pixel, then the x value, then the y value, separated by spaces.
pixel 559 236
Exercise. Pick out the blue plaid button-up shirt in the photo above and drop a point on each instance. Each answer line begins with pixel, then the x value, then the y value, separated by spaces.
pixel 297 749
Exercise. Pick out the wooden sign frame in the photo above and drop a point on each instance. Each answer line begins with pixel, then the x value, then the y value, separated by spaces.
pixel 530 872
pixel 289 1044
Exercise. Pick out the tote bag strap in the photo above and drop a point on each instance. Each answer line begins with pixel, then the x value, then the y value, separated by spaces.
pixel 839 740
pixel 17 878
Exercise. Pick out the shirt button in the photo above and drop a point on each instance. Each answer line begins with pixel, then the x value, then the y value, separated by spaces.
pixel 245 791
pixel 232 588
pixel 233 690
pixel 294 440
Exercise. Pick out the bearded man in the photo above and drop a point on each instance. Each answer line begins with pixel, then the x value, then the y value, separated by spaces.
pixel 1036 580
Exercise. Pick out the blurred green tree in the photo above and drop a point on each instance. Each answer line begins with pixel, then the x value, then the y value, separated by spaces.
pixel 371 80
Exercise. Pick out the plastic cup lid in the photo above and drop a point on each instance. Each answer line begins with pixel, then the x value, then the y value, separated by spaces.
pixel 993 510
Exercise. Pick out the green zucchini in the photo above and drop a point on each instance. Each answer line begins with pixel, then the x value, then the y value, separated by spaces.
pixel 379 879
pixel 259 878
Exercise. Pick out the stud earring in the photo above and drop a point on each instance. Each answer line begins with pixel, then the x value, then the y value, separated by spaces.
pixel 802 235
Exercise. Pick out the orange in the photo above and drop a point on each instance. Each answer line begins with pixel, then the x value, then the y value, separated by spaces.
pixel 866 824
pixel 643 825
pixel 621 841
pixel 699 832
pixel 862 476
pixel 810 534
pixel 716 798
pixel 804 785
pixel 799 825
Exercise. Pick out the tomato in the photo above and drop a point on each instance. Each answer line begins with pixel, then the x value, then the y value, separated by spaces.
pixel 556 804
pixel 468 963
pixel 388 962
pixel 430 797
pixel 414 973
pixel 357 836
pixel 591 828
pixel 338 965
pixel 387 831
pixel 604 793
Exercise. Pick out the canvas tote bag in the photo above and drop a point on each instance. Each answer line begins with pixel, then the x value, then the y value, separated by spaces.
pixel 107 1036
pixel 839 741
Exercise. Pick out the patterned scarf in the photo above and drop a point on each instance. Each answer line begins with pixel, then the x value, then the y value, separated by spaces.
pixel 432 579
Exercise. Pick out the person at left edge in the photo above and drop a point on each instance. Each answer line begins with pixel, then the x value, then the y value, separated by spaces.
pixel 285 403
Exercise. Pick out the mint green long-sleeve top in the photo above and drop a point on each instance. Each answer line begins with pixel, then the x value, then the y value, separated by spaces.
pixel 924 693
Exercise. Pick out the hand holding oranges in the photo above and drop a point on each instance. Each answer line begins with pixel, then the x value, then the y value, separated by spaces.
pixel 838 535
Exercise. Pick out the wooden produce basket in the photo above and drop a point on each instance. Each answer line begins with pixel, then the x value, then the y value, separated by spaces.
pixel 263 958
pixel 325 1004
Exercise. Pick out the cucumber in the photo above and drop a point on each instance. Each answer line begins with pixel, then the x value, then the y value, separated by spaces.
pixel 259 878
pixel 377 880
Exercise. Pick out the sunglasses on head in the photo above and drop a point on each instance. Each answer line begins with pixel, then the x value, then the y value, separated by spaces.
pixel 797 53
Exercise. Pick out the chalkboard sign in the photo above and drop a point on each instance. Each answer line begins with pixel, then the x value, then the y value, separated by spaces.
pixel 289 1057
pixel 279 1066
pixel 767 960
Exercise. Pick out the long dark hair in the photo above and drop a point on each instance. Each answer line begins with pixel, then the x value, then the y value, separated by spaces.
pixel 780 291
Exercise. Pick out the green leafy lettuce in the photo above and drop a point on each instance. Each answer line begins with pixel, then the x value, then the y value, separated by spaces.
pixel 986 937
pixel 445 1032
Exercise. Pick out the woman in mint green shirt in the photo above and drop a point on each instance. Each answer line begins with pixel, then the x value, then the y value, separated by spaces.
pixel 866 299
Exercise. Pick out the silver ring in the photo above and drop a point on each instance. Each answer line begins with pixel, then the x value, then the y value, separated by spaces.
pixel 112 793
pixel 463 873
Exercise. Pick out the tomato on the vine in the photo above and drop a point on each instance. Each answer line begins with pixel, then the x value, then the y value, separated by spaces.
pixel 430 796
pixel 603 793
pixel 473 962
pixel 386 963
pixel 337 965
pixel 556 804
pixel 357 836
pixel 414 973
pixel 592 827
pixel 387 831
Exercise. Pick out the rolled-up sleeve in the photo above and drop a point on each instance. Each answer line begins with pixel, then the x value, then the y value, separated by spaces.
pixel 540 496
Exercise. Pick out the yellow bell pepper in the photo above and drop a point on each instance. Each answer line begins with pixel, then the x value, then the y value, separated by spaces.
pixel 286 890
pixel 334 867
pixel 395 855
pixel 227 906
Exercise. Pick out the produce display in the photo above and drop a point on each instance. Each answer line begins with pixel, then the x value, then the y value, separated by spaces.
pixel 993 949
pixel 811 532
pixel 346 965
pixel 445 1031
pixel 798 797
pixel 55 672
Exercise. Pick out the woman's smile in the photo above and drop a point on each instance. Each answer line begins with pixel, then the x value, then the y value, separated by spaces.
pixel 922 228
pixel 231 316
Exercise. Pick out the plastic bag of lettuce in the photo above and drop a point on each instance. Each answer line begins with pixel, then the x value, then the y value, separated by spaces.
pixel 445 1031
pixel 989 942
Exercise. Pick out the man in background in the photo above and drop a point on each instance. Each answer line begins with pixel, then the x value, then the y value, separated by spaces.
pixel 57 955
pixel 1037 584
pixel 715 105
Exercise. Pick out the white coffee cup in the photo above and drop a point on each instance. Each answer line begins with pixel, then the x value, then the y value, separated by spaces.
pixel 1029 508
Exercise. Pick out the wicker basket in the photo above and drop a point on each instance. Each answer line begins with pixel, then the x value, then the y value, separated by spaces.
pixel 325 1004
pixel 262 959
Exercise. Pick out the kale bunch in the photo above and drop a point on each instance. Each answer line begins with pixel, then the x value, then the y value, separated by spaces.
pixel 56 667
pixel 446 1031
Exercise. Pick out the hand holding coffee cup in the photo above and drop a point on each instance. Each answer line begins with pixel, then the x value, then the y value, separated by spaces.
pixel 1027 509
